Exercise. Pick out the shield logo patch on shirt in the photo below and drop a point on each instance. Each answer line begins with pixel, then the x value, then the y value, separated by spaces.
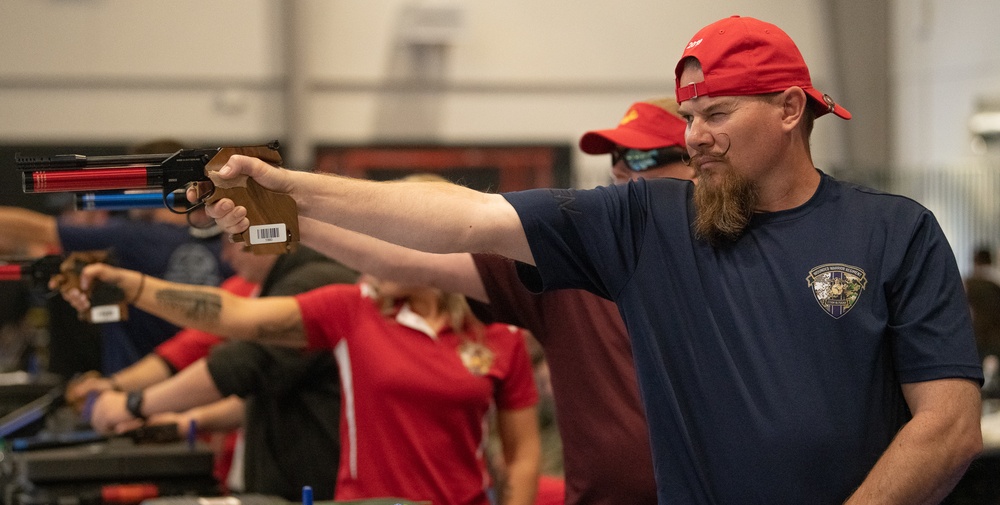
pixel 836 287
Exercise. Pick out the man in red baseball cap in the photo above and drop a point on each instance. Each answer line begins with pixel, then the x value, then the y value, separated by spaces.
pixel 748 99
pixel 797 339
pixel 745 57
pixel 648 142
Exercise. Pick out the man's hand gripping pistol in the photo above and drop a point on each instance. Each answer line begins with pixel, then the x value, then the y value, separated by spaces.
pixel 273 216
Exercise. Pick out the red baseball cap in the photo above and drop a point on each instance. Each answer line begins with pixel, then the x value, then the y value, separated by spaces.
pixel 645 126
pixel 745 56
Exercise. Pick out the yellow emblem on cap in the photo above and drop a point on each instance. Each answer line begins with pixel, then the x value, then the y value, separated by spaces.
pixel 630 116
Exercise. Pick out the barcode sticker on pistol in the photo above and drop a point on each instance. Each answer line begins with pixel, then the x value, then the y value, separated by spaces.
pixel 268 234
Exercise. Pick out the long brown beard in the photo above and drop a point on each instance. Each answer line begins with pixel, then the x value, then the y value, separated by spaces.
pixel 723 205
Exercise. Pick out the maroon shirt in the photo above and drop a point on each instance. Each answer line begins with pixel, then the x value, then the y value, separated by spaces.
pixel 606 452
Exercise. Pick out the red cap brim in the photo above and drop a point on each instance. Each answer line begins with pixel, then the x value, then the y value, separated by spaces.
pixel 645 126
pixel 605 141
pixel 824 104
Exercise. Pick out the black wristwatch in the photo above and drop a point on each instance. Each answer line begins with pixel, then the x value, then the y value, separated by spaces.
pixel 133 404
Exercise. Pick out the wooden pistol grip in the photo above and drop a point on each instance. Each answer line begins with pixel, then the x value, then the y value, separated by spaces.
pixel 70 271
pixel 274 217
pixel 71 267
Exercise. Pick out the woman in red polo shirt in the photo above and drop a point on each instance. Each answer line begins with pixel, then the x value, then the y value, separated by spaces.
pixel 419 375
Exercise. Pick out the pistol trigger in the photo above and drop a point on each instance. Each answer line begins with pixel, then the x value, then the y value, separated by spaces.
pixel 203 197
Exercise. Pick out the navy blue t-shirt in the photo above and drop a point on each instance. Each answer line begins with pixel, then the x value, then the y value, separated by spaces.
pixel 163 250
pixel 770 369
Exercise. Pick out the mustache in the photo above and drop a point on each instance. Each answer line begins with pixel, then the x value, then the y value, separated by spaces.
pixel 697 158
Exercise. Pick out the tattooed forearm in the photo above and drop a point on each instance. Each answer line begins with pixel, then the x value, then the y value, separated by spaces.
pixel 197 306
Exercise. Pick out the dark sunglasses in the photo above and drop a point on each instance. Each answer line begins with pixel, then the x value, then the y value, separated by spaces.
pixel 639 160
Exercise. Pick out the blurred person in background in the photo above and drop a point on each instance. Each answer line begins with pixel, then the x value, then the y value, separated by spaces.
pixel 283 389
pixel 286 401
pixel 154 241
pixel 18 336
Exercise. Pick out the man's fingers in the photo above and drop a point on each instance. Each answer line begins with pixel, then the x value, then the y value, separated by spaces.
pixel 242 165
pixel 220 208
pixel 259 170
pixel 199 191
pixel 230 217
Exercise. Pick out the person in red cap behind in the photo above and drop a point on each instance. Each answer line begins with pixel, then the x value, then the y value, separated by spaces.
pixel 648 142
pixel 797 339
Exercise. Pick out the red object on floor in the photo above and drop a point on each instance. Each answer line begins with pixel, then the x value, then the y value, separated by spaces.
pixel 128 493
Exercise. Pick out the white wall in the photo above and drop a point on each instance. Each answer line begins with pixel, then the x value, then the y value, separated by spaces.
pixel 94 70
pixel 946 59
pixel 520 70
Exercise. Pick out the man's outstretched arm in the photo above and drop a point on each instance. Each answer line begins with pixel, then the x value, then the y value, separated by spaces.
pixel 932 451
pixel 453 273
pixel 428 216
pixel 26 229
